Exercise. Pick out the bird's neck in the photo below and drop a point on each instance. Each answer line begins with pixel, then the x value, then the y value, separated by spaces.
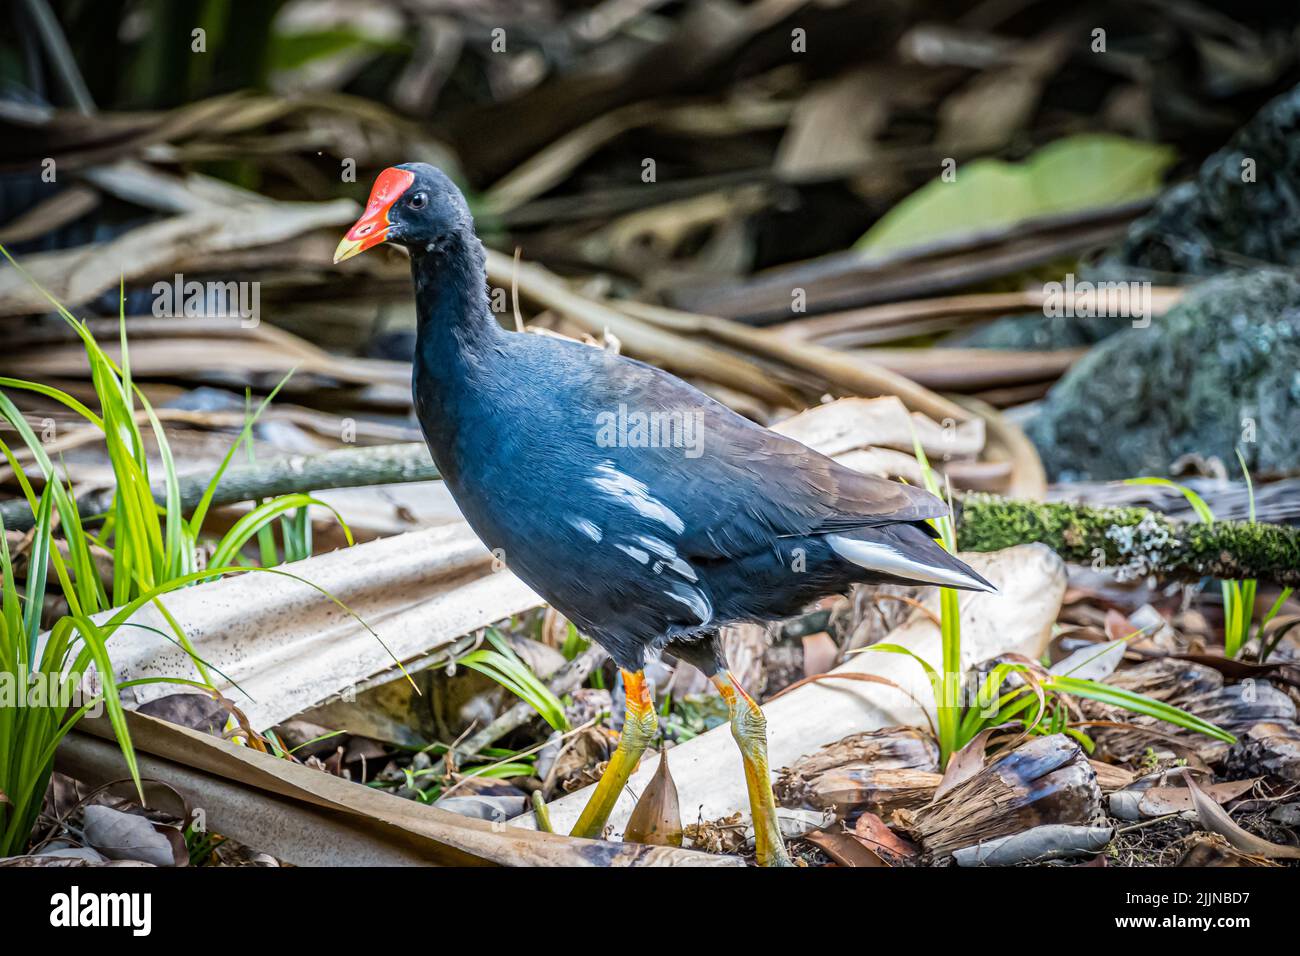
pixel 460 348
pixel 456 331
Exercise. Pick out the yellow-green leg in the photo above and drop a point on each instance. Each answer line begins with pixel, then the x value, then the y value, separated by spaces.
pixel 639 728
pixel 749 727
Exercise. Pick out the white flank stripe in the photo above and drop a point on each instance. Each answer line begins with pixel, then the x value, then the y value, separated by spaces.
pixel 875 556
pixel 635 494
pixel 670 557
pixel 588 528
pixel 693 599
pixel 634 553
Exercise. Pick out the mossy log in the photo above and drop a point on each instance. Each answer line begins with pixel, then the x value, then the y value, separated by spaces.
pixel 1134 542
pixel 340 468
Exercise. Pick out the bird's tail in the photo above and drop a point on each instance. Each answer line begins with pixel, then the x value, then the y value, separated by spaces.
pixel 908 554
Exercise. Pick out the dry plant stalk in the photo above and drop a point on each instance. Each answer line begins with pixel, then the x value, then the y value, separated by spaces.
pixel 1196 688
pixel 878 771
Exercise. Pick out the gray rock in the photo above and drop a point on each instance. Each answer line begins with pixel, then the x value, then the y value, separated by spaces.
pixel 1288 814
pixel 1221 221
pixel 1033 331
pixel 1242 210
pixel 1221 370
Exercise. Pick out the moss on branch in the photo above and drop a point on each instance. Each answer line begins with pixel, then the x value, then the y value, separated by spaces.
pixel 1134 542
pixel 339 468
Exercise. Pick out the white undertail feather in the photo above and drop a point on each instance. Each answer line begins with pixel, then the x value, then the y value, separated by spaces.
pixel 875 556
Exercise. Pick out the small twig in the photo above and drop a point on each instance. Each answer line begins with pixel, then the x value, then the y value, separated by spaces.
pixel 1147 823
pixel 479 771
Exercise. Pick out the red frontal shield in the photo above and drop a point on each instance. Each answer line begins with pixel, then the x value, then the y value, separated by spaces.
pixel 372 228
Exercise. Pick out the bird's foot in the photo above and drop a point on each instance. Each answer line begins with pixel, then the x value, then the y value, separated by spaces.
pixel 749 727
pixel 776 857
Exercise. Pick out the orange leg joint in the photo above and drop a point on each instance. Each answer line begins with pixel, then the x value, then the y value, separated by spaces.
pixel 639 728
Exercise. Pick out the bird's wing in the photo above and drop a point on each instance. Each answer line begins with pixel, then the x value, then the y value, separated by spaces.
pixel 732 485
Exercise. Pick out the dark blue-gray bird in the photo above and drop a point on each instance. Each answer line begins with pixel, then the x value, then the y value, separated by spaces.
pixel 642 510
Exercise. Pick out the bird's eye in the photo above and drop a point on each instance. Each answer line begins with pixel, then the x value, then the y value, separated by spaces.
pixel 419 201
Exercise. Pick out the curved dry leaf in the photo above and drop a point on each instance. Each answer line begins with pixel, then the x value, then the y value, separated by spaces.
pixel 1158 801
pixel 318 819
pixel 657 818
pixel 888 845
pixel 1052 841
pixel 1216 819
pixel 126 836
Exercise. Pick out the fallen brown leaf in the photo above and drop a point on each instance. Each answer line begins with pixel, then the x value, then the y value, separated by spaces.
pixel 1216 819
pixel 877 836
pixel 844 849
pixel 657 817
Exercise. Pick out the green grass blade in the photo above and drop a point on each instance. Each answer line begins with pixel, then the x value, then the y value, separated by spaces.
pixel 1196 501
pixel 37 568
pixel 505 667
pixel 259 517
pixel 1137 704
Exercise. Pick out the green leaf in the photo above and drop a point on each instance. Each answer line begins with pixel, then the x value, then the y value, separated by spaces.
pixel 1077 172
pixel 1138 704
pixel 290 51
pixel 575 643
pixel 504 666
pixel 38 567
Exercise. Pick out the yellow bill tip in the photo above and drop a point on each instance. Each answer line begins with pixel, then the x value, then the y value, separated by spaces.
pixel 348 248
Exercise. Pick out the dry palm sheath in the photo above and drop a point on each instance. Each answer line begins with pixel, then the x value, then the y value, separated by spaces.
pixel 644 548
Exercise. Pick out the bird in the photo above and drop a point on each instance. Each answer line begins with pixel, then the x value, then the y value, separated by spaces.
pixel 644 511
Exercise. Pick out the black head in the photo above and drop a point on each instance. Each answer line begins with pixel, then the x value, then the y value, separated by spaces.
pixel 413 205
